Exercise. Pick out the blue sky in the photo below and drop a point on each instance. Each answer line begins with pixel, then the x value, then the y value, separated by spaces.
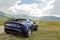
pixel 29 1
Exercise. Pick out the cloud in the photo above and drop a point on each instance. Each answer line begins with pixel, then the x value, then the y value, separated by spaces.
pixel 33 7
pixel 5 4
pixel 56 9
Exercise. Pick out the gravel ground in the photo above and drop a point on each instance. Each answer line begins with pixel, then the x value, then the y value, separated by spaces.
pixel 1 29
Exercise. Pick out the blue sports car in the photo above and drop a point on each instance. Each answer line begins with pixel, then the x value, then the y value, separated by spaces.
pixel 21 26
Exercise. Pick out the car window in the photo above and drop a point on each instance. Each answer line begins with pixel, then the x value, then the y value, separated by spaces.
pixel 20 20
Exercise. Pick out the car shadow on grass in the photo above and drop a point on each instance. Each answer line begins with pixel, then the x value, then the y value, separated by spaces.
pixel 17 35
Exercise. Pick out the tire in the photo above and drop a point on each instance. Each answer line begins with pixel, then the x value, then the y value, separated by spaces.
pixel 36 28
pixel 29 33
pixel 6 31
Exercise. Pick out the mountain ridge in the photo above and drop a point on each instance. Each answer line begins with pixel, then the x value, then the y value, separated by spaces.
pixel 5 15
pixel 49 18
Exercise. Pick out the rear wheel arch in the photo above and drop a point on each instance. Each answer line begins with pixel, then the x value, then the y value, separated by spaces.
pixel 29 32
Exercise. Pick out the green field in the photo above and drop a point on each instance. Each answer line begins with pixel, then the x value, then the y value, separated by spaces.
pixel 2 21
pixel 48 30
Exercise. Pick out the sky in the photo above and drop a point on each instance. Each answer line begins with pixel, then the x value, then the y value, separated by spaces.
pixel 36 8
pixel 5 4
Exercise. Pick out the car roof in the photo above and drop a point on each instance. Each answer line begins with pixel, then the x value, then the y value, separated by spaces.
pixel 20 19
pixel 23 19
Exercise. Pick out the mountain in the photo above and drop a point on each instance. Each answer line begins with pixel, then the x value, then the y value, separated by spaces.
pixel 37 18
pixel 49 18
pixel 5 15
pixel 25 16
pixel 2 15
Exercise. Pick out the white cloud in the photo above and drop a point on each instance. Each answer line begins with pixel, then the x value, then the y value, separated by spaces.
pixel 34 8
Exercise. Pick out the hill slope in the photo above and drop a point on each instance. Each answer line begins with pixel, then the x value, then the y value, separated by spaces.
pixel 26 16
pixel 49 18
pixel 5 15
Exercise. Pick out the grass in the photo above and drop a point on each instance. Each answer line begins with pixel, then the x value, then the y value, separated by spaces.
pixel 48 30
pixel 2 21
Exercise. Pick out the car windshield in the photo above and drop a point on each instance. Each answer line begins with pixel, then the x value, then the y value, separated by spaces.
pixel 20 20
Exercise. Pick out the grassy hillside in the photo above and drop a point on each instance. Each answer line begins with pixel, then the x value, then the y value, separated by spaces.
pixel 48 30
pixel 5 17
pixel 49 18
pixel 2 21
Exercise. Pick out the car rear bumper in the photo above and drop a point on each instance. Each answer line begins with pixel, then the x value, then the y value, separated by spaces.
pixel 12 30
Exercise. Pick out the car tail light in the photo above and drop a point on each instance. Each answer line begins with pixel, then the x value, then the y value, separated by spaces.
pixel 19 24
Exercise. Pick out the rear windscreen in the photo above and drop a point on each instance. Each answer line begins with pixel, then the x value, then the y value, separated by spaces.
pixel 20 20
